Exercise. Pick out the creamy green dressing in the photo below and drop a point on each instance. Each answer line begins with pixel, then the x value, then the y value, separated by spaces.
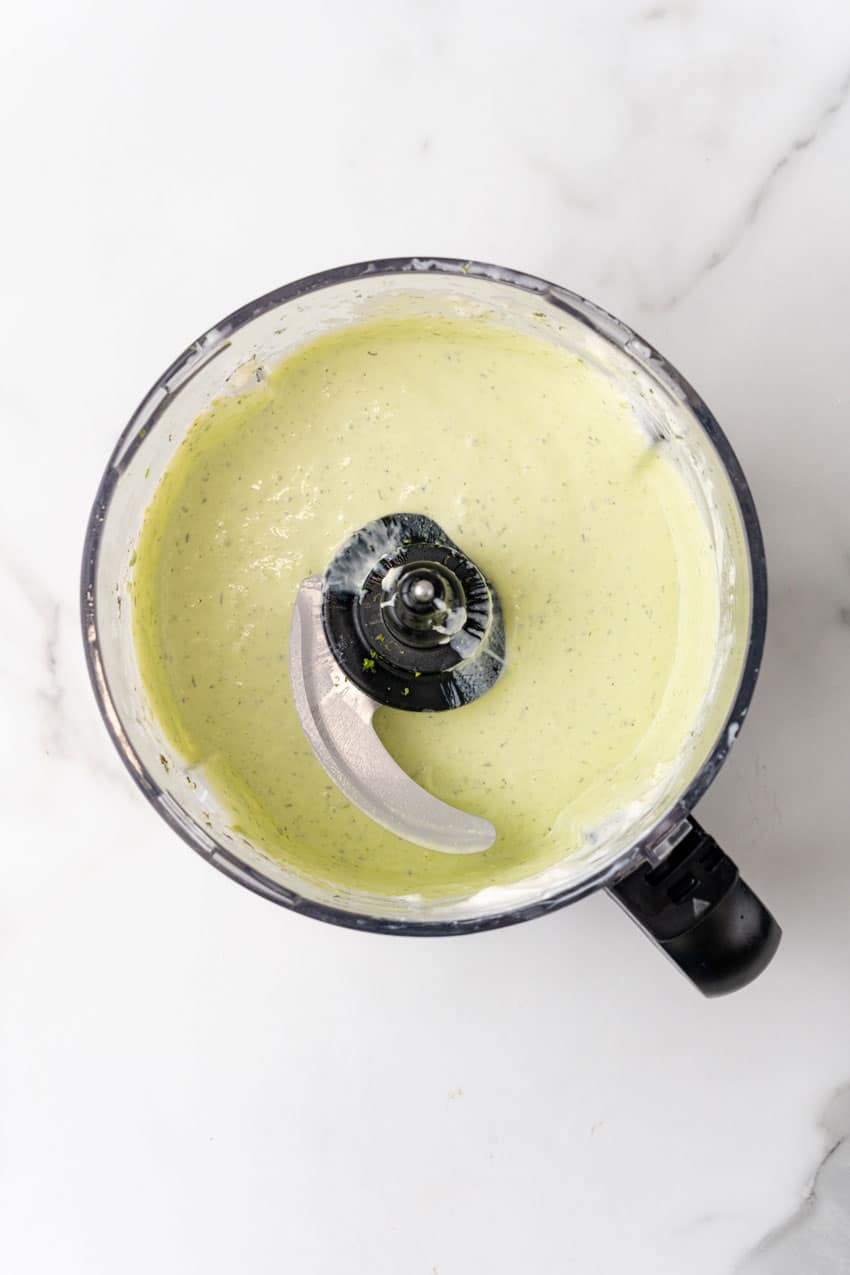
pixel 532 463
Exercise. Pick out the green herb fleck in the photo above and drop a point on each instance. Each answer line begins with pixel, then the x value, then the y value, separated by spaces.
pixel 406 690
pixel 367 663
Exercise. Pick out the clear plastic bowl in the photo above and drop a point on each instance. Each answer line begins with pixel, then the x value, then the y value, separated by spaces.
pixel 267 330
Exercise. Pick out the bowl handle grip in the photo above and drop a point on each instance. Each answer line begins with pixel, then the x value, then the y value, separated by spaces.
pixel 697 909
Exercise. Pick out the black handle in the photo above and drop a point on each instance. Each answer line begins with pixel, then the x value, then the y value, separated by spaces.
pixel 695 906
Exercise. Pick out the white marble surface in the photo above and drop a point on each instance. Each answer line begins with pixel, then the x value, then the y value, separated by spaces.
pixel 192 1080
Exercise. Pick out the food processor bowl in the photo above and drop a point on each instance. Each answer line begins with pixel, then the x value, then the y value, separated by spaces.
pixel 655 859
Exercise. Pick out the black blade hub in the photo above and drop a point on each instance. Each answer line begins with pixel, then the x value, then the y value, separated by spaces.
pixel 410 618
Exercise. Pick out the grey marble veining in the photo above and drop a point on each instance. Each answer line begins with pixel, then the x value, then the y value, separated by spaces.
pixel 836 102
pixel 815 1238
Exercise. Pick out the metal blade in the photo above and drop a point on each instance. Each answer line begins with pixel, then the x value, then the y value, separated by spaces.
pixel 337 720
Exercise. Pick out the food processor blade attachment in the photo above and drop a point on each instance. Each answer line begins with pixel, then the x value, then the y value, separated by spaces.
pixel 337 719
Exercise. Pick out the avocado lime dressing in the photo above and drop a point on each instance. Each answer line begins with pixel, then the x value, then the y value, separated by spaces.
pixel 535 464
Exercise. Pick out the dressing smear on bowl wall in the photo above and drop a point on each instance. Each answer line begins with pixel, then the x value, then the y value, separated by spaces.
pixel 530 460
